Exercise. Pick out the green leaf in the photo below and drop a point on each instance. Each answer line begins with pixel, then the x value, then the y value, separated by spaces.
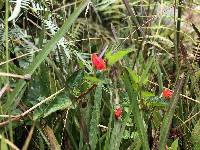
pixel 133 75
pixel 156 101
pixel 144 76
pixel 93 135
pixel 45 52
pixel 94 80
pixel 126 134
pixel 59 103
pixel 113 58
pixel 147 94
pixel 116 135
pixel 174 145
pixel 137 143
pixel 75 79
pixel 133 97
pixel 195 138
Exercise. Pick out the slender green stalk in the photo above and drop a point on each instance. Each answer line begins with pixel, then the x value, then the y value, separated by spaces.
pixel 7 58
pixel 159 76
pixel 6 38
pixel 177 39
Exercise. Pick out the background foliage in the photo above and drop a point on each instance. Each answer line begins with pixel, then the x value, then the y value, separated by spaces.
pixel 51 96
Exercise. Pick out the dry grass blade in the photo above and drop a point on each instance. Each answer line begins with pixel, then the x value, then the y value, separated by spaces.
pixel 28 139
pixel 51 138
pixel 2 91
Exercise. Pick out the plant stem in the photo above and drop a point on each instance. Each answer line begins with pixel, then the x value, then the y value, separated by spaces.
pixel 6 39
pixel 177 38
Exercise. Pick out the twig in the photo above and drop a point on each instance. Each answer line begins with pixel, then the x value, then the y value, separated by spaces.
pixel 24 77
pixel 86 92
pixel 188 119
pixel 40 103
pixel 7 116
pixel 102 126
pixel 64 126
pixel 18 117
pixel 2 91
pixel 7 61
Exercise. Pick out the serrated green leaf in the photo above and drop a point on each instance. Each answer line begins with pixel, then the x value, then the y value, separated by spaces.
pixel 113 58
pixel 93 135
pixel 126 134
pixel 59 103
pixel 156 101
pixel 116 135
pixel 147 94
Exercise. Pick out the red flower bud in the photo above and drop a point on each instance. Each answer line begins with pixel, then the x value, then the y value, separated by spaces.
pixel 118 112
pixel 167 93
pixel 98 62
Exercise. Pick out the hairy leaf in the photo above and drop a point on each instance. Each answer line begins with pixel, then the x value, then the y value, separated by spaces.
pixel 93 135
pixel 59 103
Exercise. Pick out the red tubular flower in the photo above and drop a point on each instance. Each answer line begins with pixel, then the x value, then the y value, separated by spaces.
pixel 118 112
pixel 167 93
pixel 98 62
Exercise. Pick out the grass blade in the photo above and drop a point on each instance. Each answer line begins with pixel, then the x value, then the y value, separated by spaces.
pixel 134 102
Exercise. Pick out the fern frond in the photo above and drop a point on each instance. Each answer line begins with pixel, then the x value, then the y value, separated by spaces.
pixel 19 4
pixel 53 28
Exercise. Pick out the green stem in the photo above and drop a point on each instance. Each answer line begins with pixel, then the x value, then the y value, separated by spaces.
pixel 177 39
pixel 6 38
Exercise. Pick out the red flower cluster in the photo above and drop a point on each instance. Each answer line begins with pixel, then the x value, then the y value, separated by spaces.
pixel 118 112
pixel 167 93
pixel 98 62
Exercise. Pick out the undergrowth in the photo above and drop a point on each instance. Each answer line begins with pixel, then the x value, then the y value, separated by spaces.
pixel 99 74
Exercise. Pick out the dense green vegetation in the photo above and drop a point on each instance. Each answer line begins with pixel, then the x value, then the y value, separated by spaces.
pixel 99 74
